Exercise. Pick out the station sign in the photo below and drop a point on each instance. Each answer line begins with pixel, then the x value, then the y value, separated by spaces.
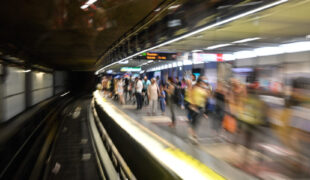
pixel 130 69
pixel 157 56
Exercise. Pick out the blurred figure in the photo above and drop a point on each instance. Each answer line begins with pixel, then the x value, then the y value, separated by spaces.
pixel 158 81
pixel 193 80
pixel 188 97
pixel 120 91
pixel 198 100
pixel 219 97
pixel 180 97
pixel 126 88
pixel 170 88
pixel 138 91
pixel 153 92
pixel 162 99
pixel 146 84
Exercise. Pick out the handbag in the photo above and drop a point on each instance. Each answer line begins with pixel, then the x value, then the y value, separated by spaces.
pixel 229 123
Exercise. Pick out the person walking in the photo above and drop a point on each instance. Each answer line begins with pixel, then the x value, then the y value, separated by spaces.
pixel 170 89
pixel 120 91
pixel 199 97
pixel 153 92
pixel 138 90
pixel 146 84
pixel 162 99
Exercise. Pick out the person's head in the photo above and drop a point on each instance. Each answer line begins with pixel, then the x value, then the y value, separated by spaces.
pixel 145 77
pixel 177 79
pixel 157 77
pixel 170 80
pixel 193 77
pixel 137 78
pixel 161 87
pixel 153 80
pixel 202 81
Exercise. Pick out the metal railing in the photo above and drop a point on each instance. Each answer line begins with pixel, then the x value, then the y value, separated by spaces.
pixel 119 164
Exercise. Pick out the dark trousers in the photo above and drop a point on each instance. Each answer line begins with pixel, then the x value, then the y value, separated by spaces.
pixel 171 107
pixel 139 100
pixel 195 117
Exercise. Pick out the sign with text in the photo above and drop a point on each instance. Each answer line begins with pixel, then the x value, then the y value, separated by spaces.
pixel 157 56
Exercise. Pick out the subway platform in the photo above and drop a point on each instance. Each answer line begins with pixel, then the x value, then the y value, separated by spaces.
pixel 223 152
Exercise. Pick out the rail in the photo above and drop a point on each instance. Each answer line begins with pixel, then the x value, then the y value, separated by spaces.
pixel 117 160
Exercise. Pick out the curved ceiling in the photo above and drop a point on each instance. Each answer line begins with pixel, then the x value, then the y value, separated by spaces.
pixel 60 34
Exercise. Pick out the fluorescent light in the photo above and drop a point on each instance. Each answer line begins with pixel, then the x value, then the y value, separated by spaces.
pixel 123 62
pixel 217 46
pixel 196 50
pixel 267 51
pixel 158 9
pixel 150 61
pixel 204 29
pixel 228 57
pixel 84 6
pixel 174 6
pixel 246 40
pixel 88 3
pixel 296 47
pixel 244 54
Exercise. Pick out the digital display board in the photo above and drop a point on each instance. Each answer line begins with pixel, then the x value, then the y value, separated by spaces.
pixel 157 56
pixel 130 69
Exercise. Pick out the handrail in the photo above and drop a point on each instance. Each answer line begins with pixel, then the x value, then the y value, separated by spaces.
pixel 120 165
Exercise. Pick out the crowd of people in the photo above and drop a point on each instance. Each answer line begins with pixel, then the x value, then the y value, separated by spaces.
pixel 235 107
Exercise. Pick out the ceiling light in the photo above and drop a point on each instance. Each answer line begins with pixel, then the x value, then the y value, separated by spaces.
pixel 246 40
pixel 150 61
pixel 123 62
pixel 196 50
pixel 244 54
pixel 158 9
pixel 84 6
pixel 267 51
pixel 88 3
pixel 217 46
pixel 174 6
pixel 296 47
pixel 228 57
pixel 233 18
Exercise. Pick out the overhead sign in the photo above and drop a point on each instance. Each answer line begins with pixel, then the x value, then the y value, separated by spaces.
pixel 206 57
pixel 157 56
pixel 130 69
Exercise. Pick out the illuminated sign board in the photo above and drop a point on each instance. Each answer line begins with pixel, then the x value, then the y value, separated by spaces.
pixel 130 69
pixel 206 57
pixel 157 56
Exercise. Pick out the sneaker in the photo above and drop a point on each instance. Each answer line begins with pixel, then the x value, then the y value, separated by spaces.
pixel 193 139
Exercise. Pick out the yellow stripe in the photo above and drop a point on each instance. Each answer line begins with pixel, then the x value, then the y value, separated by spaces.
pixel 202 168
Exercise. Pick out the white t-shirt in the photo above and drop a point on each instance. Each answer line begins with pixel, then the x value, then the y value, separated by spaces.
pixel 139 86
pixel 153 91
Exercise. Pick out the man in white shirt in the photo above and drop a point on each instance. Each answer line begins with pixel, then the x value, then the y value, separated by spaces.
pixel 139 87
pixel 152 92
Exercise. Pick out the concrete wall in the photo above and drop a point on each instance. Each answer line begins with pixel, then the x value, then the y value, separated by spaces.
pixel 20 89
pixel 42 86
pixel 14 93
